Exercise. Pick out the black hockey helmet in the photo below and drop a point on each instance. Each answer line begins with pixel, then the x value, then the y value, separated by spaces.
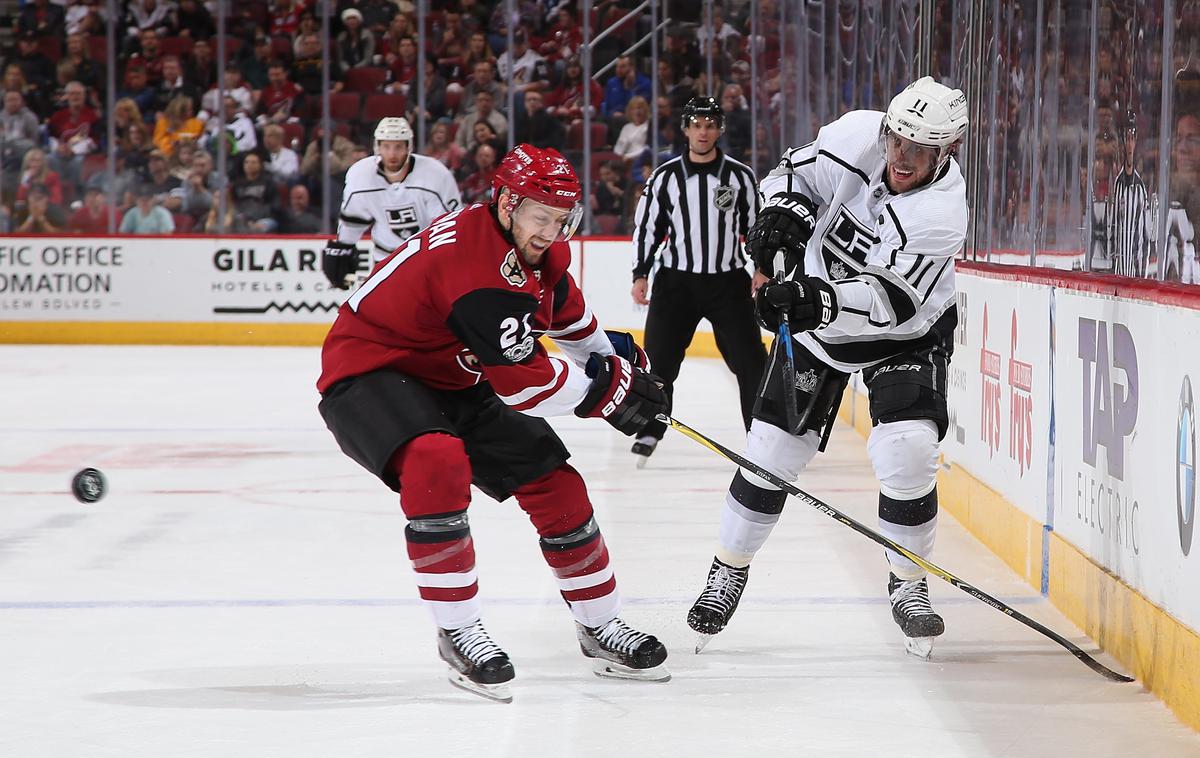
pixel 1128 126
pixel 702 107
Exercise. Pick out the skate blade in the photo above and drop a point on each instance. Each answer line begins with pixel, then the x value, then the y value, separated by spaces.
pixel 919 647
pixel 501 693
pixel 702 642
pixel 610 670
pixel 641 461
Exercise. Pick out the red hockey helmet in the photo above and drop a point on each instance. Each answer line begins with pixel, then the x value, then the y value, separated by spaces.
pixel 542 175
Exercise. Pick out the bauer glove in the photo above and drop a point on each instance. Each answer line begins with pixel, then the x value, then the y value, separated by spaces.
pixel 785 223
pixel 806 302
pixel 621 394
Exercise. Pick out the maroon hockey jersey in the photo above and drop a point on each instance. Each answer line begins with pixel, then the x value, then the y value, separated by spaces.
pixel 456 305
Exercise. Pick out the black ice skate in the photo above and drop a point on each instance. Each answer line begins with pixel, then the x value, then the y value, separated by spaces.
pixel 622 652
pixel 643 449
pixel 716 604
pixel 477 664
pixel 914 615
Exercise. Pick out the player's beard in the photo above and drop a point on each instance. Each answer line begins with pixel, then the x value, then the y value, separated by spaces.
pixel 523 247
pixel 532 255
pixel 916 176
pixel 392 174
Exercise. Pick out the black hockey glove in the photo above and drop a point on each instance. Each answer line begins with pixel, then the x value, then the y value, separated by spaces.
pixel 625 347
pixel 785 223
pixel 808 303
pixel 339 261
pixel 621 394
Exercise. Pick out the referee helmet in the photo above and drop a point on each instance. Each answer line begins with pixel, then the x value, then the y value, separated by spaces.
pixel 702 107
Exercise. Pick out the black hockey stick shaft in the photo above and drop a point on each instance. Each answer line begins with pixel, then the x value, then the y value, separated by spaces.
pixel 874 536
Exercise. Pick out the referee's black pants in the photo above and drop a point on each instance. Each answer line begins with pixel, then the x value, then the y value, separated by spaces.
pixel 677 303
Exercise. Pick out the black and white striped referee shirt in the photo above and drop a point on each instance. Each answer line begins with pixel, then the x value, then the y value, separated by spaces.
pixel 1128 238
pixel 695 215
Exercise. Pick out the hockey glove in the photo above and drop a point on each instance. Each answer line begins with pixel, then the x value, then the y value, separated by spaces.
pixel 621 394
pixel 625 347
pixel 807 302
pixel 785 223
pixel 339 261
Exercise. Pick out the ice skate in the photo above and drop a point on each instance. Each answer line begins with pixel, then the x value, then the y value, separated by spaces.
pixel 717 602
pixel 914 615
pixel 643 449
pixel 622 652
pixel 477 664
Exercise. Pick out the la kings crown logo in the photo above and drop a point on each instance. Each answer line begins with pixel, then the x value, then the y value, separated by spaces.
pixel 806 381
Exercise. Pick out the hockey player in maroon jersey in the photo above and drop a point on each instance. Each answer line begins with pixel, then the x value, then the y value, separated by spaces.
pixel 433 379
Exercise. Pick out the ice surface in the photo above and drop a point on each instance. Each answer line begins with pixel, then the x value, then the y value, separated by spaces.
pixel 243 590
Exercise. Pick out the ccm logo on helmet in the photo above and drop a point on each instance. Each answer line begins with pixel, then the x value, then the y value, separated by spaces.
pixel 622 389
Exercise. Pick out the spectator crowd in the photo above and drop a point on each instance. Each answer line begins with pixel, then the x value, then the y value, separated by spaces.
pixel 169 121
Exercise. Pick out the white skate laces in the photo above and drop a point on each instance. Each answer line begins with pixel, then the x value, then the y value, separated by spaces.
pixel 724 588
pixel 911 598
pixel 619 637
pixel 620 652
pixel 913 613
pixel 474 643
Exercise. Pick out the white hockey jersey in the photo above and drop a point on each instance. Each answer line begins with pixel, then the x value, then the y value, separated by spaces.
pixel 394 211
pixel 890 257
pixel 1179 262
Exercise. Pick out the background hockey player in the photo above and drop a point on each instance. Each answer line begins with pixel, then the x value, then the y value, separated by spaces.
pixel 870 217
pixel 433 379
pixel 395 193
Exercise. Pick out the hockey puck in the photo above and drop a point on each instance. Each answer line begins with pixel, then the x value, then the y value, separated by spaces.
pixel 88 485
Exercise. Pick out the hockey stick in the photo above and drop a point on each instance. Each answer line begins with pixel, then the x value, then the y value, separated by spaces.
pixel 789 377
pixel 789 362
pixel 871 534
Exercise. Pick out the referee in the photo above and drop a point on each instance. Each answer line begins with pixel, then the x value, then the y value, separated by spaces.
pixel 1128 238
pixel 692 216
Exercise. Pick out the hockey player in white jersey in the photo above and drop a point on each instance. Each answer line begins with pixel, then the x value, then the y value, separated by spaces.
pixel 395 192
pixel 869 218
pixel 1179 261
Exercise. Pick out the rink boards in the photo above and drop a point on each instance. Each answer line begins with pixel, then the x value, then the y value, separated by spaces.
pixel 265 290
pixel 1070 453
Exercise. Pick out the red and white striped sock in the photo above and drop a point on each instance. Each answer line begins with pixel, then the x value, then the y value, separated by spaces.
pixel 584 576
pixel 446 579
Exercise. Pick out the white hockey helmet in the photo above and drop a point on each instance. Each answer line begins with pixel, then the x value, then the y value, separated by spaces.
pixel 393 128
pixel 928 113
